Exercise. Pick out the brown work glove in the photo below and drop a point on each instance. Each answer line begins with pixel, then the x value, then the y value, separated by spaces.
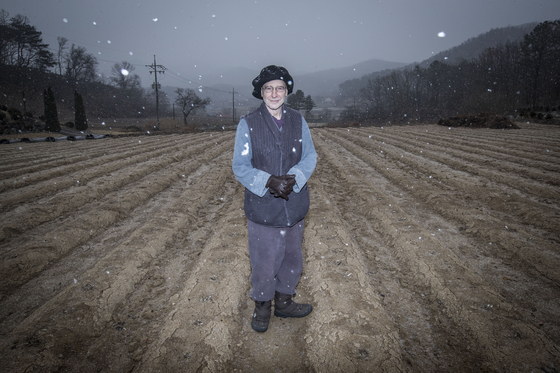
pixel 281 186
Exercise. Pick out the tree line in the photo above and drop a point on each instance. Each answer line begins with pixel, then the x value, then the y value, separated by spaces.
pixel 512 78
pixel 28 66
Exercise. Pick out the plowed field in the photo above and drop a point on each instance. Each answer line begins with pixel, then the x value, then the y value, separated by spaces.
pixel 426 249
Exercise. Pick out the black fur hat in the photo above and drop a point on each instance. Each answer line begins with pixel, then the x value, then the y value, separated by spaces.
pixel 269 73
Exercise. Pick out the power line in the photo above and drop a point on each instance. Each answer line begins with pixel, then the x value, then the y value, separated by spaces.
pixel 177 76
pixel 155 71
pixel 98 45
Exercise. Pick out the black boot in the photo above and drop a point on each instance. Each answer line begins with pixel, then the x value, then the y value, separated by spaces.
pixel 284 306
pixel 261 316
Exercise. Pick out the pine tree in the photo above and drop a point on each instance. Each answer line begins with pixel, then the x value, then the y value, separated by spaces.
pixel 298 101
pixel 51 114
pixel 79 112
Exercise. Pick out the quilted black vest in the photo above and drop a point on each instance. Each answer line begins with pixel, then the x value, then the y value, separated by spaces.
pixel 275 152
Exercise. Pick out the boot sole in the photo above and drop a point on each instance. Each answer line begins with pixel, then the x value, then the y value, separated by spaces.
pixel 260 330
pixel 286 315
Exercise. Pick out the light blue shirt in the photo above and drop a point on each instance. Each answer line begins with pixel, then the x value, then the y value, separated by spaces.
pixel 255 179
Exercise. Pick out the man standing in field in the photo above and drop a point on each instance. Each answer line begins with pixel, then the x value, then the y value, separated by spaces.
pixel 273 158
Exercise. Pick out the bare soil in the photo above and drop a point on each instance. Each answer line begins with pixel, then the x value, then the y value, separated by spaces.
pixel 426 248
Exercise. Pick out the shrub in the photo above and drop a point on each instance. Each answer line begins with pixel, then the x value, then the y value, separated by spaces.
pixel 134 129
pixel 69 124
pixel 15 114
pixel 540 116
pixel 80 112
pixel 51 115
pixel 479 121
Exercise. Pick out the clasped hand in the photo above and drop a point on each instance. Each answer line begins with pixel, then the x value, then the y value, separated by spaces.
pixel 281 186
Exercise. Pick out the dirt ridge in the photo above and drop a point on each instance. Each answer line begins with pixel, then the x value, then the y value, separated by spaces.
pixel 426 249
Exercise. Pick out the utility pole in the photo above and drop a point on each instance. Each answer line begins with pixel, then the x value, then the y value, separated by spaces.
pixel 154 69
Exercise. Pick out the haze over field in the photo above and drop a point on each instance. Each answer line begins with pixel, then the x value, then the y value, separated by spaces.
pixel 198 42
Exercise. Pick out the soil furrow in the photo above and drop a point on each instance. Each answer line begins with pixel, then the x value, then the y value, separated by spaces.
pixel 59 152
pixel 500 256
pixel 30 187
pixel 84 190
pixel 26 261
pixel 528 139
pixel 430 263
pixel 458 156
pixel 543 156
pixel 202 330
pixel 150 271
pixel 418 320
pixel 441 176
pixel 487 185
pixel 82 160
pixel 23 300
pixel 469 213
pixel 349 331
pixel 97 292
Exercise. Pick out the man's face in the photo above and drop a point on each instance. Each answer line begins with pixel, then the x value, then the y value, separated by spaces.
pixel 274 93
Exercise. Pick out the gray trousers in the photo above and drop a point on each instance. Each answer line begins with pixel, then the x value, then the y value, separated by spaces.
pixel 276 259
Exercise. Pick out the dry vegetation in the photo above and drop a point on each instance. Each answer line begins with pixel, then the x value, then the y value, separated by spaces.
pixel 479 121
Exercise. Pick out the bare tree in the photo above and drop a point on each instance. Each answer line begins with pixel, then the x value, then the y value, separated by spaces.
pixel 189 101
pixel 4 16
pixel 61 47
pixel 80 66
pixel 131 95
pixel 122 77
pixel 5 36
pixel 163 99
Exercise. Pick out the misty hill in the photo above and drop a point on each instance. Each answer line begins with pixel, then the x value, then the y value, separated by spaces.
pixel 467 50
pixel 327 83
pixel 219 86
pixel 473 47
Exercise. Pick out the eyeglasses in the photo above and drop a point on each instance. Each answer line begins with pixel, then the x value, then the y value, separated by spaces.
pixel 269 89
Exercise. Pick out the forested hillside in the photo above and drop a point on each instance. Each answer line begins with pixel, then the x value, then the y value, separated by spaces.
pixel 29 67
pixel 516 77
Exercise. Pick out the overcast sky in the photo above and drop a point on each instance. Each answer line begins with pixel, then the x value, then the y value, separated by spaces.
pixel 193 37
